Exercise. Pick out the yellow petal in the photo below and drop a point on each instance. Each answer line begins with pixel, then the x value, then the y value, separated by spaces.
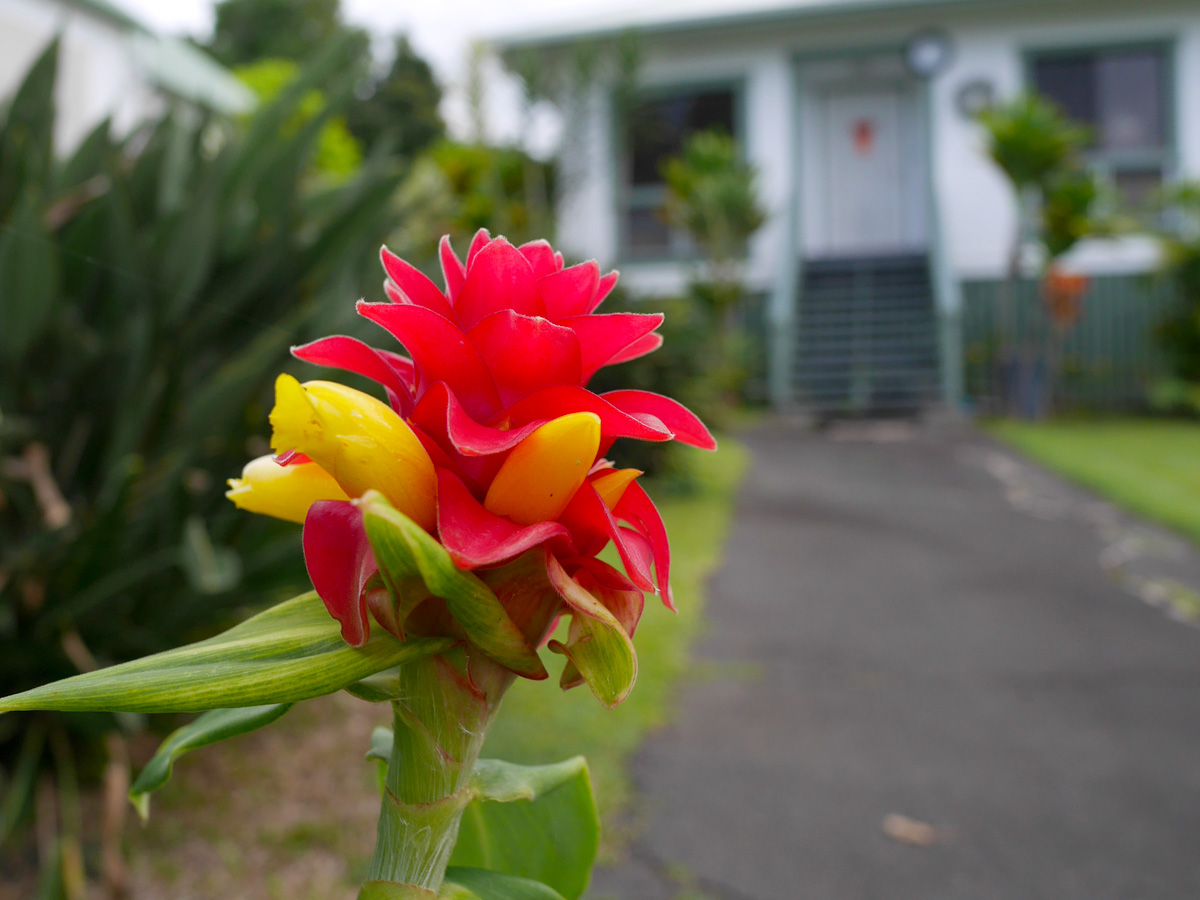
pixel 358 440
pixel 543 472
pixel 611 485
pixel 285 492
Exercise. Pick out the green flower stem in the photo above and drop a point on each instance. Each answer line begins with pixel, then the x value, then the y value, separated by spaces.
pixel 446 704
pixel 440 725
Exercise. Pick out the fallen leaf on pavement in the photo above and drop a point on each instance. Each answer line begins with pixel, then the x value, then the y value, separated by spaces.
pixel 909 831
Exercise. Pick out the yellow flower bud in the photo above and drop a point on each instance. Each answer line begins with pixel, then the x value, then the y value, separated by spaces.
pixel 358 440
pixel 543 472
pixel 611 485
pixel 285 492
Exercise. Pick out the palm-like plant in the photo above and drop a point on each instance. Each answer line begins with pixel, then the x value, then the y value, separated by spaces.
pixel 148 285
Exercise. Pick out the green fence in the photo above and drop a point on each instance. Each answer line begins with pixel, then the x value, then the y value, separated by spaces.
pixel 1109 359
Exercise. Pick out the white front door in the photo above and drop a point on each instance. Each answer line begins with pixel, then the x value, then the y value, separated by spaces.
pixel 871 200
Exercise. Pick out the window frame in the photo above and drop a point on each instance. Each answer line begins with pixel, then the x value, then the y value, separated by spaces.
pixel 629 197
pixel 1107 164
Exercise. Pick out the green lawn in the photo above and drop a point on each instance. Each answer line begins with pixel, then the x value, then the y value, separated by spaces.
pixel 1150 467
pixel 539 723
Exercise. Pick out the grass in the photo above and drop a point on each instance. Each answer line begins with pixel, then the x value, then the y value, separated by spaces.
pixel 538 723
pixel 1149 467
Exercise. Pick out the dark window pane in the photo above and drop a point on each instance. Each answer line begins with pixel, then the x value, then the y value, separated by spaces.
pixel 646 232
pixel 1119 94
pixel 659 126
pixel 1137 187
pixel 1070 82
pixel 1130 95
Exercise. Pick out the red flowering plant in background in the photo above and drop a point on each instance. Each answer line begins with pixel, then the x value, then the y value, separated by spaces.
pixel 446 531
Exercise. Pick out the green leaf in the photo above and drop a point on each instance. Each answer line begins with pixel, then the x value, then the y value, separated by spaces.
pixel 209 728
pixel 382 687
pixel 388 890
pixel 408 556
pixel 27 136
pixel 28 280
pixel 536 822
pixel 382 740
pixel 481 884
pixel 598 646
pixel 290 652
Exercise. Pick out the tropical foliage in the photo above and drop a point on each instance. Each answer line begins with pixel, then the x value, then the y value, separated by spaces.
pixel 149 282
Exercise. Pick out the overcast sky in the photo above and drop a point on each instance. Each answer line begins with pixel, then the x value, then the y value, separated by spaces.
pixel 441 30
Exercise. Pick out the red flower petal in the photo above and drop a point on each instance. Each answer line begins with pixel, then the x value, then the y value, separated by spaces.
pixel 626 605
pixel 413 284
pixel 481 239
pixel 678 418
pixel 562 399
pixel 592 525
pixel 291 458
pixel 524 353
pixel 352 355
pixel 403 365
pixel 568 293
pixel 607 283
pixel 339 560
pixel 439 412
pixel 542 258
pixel 636 508
pixel 475 537
pixel 604 574
pixel 453 270
pixel 639 348
pixel 603 337
pixel 440 352
pixel 498 278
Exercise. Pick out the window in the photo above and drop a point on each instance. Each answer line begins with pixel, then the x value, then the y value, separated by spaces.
pixel 657 128
pixel 1121 94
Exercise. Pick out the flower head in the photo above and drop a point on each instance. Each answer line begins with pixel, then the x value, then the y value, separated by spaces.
pixel 490 439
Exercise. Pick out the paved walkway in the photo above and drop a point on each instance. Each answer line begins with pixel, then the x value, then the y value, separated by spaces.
pixel 961 692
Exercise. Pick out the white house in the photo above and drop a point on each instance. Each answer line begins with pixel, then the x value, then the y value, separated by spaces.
pixel 887 220
pixel 110 65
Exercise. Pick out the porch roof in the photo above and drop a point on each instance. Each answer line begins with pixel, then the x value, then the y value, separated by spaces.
pixel 676 16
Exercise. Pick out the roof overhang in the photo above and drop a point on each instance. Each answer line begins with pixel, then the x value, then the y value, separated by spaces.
pixel 666 19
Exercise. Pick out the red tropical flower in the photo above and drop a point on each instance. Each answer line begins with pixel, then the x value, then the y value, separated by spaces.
pixel 490 438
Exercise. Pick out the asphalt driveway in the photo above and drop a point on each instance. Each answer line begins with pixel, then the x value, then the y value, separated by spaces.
pixel 930 673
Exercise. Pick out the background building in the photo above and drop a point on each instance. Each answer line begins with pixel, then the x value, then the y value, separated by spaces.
pixel 890 229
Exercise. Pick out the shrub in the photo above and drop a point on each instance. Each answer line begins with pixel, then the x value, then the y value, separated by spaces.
pixel 149 286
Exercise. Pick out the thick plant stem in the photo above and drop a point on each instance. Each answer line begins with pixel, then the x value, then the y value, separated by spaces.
pixel 445 706
pixel 439 726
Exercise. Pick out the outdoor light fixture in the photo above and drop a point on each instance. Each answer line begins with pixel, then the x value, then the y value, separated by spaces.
pixel 974 97
pixel 927 53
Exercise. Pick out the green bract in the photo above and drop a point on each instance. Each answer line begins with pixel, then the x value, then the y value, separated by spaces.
pixel 291 652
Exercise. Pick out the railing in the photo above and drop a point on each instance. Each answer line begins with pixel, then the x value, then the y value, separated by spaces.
pixel 1109 359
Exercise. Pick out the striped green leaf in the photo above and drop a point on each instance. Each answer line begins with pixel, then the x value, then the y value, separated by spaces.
pixel 208 728
pixel 290 652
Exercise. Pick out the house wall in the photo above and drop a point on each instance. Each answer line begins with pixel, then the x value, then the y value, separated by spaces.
pixel 975 211
pixel 972 210
pixel 97 77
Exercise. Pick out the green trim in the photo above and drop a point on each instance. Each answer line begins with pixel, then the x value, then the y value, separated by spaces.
pixel 947 296
pixel 785 299
pixel 624 195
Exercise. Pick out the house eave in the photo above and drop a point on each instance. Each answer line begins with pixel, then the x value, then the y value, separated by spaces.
pixel 559 36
